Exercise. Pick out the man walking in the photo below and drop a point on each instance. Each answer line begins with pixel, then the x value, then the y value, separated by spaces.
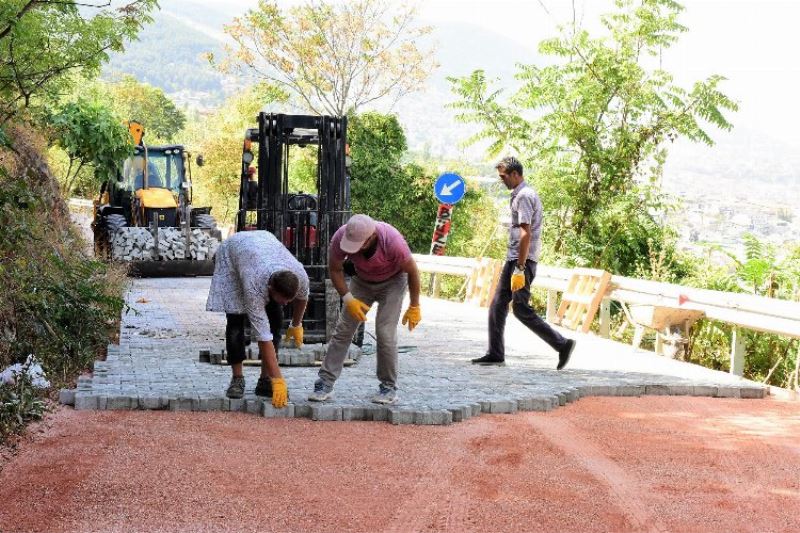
pixel 383 267
pixel 254 277
pixel 524 247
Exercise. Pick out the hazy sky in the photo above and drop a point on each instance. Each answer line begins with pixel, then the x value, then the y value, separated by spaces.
pixel 753 43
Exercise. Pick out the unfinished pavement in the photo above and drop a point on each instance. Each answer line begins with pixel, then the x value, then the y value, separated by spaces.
pixel 156 366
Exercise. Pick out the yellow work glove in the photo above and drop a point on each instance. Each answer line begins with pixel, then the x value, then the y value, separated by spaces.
pixel 517 279
pixel 412 317
pixel 295 333
pixel 355 307
pixel 280 394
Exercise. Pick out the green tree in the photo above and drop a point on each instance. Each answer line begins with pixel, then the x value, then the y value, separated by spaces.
pixel 594 127
pixel 91 135
pixel 43 42
pixel 334 57
pixel 219 138
pixel 149 106
pixel 402 193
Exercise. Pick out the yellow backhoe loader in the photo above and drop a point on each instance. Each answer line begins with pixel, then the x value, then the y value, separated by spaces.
pixel 144 215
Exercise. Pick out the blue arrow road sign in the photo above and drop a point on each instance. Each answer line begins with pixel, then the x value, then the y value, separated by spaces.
pixel 449 188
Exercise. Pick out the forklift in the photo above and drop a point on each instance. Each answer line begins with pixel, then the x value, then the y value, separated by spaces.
pixel 303 221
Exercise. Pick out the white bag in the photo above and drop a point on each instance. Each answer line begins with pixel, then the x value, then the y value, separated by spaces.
pixel 31 367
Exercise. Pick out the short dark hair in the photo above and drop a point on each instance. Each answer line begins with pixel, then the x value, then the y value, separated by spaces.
pixel 285 283
pixel 509 164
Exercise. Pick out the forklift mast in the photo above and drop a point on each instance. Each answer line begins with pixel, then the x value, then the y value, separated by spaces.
pixel 303 221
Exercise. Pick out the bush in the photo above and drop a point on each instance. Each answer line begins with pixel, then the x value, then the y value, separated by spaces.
pixel 56 302
pixel 20 403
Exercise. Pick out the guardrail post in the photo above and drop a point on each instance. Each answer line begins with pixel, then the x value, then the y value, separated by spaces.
pixel 436 282
pixel 552 297
pixel 737 351
pixel 605 318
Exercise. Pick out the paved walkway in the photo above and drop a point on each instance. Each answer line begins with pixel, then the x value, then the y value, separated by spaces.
pixel 156 366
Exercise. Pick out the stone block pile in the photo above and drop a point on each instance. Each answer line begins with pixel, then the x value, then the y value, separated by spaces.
pixel 138 244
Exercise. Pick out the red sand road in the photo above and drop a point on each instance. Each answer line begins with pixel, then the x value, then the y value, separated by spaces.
pixel 601 464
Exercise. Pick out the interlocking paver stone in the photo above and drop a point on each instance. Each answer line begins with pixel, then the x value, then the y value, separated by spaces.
pixel 156 366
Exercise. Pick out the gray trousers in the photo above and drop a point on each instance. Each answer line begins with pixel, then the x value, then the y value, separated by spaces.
pixel 389 297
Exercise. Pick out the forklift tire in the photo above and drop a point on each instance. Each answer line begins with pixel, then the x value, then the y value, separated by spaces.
pixel 114 223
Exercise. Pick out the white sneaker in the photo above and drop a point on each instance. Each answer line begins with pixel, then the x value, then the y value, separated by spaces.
pixel 321 392
pixel 386 395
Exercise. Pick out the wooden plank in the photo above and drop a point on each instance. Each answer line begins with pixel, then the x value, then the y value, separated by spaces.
pixel 584 299
pixel 599 291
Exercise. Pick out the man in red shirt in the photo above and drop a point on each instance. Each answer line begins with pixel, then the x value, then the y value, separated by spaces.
pixel 383 267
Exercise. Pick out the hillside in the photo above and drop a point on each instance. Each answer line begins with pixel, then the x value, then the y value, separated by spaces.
pixel 169 55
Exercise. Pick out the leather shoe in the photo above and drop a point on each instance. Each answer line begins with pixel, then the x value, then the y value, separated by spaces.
pixel 488 360
pixel 564 354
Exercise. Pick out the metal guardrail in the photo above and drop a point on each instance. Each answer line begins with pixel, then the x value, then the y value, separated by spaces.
pixel 744 311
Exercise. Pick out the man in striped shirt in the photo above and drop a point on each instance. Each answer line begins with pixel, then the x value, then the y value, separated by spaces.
pixel 524 247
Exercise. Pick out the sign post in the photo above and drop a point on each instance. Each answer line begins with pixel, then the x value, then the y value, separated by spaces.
pixel 448 189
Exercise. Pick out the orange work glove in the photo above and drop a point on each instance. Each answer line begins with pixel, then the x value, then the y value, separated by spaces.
pixel 355 307
pixel 517 279
pixel 295 333
pixel 412 317
pixel 280 393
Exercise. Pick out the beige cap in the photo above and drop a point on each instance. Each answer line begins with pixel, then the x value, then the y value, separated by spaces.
pixel 356 232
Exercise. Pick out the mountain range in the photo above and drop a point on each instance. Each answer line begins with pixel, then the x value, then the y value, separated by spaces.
pixel 169 54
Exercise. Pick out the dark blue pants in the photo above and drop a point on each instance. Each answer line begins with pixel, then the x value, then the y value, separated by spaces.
pixel 498 312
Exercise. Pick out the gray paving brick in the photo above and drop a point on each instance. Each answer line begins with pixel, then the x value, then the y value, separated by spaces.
pixel 268 411
pixel 326 412
pixel 153 402
pixel 378 413
pixel 729 392
pixel 401 416
pixel 121 403
pixel 302 411
pixel 102 401
pixel 180 404
pixel 658 390
pixel 442 417
pixel 66 396
pixel 753 392
pixel 356 413
pixel 84 401
pixel 502 406
pixel 459 414
pixel 236 404
pixel 705 390
pixel 630 390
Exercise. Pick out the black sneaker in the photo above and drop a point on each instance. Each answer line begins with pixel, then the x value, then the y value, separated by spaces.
pixel 264 387
pixel 564 354
pixel 487 360
pixel 236 388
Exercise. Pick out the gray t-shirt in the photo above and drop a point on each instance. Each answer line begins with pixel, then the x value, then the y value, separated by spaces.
pixel 244 264
pixel 526 208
